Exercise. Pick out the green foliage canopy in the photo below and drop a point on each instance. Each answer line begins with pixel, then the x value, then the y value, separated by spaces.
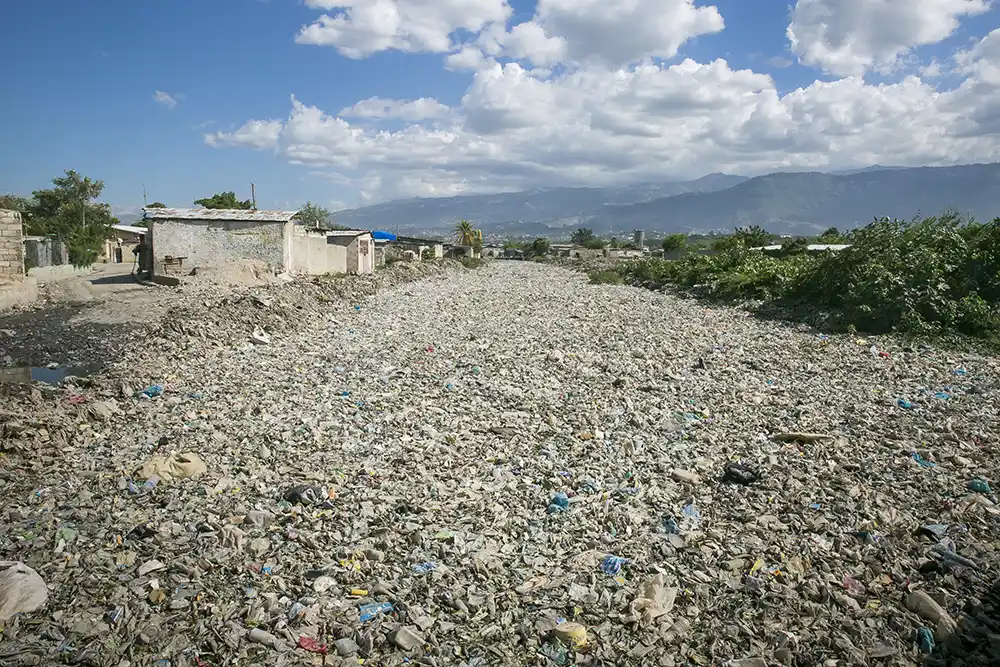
pixel 67 211
pixel 224 200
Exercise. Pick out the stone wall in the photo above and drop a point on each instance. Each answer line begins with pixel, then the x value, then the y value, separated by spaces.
pixel 210 243
pixel 40 253
pixel 11 247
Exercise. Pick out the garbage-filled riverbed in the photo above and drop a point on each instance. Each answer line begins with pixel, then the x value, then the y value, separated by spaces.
pixel 505 466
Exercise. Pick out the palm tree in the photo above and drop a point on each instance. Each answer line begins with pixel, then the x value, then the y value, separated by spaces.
pixel 465 233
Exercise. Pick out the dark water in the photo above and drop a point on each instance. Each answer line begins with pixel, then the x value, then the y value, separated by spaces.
pixel 43 374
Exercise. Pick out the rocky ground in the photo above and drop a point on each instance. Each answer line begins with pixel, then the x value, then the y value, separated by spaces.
pixel 500 467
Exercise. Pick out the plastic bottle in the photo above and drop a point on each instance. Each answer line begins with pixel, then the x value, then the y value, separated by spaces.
pixel 677 631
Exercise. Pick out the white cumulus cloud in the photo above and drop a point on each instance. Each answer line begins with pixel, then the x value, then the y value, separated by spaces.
pixel 851 37
pixel 424 108
pixel 258 134
pixel 359 28
pixel 558 115
pixel 164 99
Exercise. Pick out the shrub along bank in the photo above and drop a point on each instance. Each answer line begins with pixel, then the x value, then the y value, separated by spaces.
pixel 925 276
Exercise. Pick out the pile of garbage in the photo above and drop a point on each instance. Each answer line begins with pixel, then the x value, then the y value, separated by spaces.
pixel 503 466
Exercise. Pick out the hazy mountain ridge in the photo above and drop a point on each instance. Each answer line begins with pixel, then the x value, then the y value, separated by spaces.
pixel 784 202
pixel 551 207
pixel 803 203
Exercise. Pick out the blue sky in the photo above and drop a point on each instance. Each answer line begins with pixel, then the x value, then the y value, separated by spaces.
pixel 86 73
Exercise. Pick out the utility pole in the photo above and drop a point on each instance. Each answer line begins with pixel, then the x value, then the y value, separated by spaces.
pixel 144 202
pixel 253 196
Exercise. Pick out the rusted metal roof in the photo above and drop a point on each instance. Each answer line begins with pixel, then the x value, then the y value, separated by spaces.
pixel 233 214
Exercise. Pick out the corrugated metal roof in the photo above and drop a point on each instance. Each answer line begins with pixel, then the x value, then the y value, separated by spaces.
pixel 347 232
pixel 812 247
pixel 828 246
pixel 234 214
pixel 129 229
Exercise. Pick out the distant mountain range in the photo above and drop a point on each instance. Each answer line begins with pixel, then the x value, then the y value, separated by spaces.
pixel 792 203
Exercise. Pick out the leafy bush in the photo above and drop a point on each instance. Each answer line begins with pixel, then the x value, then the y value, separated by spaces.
pixel 471 262
pixel 605 277
pixel 919 276
pixel 795 246
pixel 924 276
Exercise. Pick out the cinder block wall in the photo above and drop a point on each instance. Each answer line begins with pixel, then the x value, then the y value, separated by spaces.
pixel 11 247
pixel 205 243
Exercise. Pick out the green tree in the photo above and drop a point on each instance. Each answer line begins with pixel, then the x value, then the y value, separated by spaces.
pixel 68 212
pixel 581 236
pixel 831 235
pixel 673 242
pixel 593 243
pixel 224 200
pixel 156 204
pixel 314 215
pixel 14 203
pixel 753 236
pixel 540 247
pixel 466 234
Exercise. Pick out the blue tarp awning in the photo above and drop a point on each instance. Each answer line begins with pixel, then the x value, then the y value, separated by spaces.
pixel 383 236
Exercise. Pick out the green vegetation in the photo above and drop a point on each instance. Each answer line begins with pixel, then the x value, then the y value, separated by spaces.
pixel 67 212
pixel 468 235
pixel 831 235
pixel 314 215
pixel 606 277
pixel 673 242
pixel 540 247
pixel 156 204
pixel 224 200
pixel 582 236
pixel 927 276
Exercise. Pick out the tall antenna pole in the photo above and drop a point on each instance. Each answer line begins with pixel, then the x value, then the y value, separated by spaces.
pixel 253 196
pixel 144 202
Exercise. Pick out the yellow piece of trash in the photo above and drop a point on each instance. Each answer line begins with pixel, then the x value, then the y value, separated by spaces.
pixel 756 566
pixel 572 633
pixel 359 592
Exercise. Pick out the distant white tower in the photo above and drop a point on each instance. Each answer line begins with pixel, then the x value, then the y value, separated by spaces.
pixel 640 239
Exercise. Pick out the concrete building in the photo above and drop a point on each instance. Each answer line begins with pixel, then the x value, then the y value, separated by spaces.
pixel 186 238
pixel 318 252
pixel 455 251
pixel 422 248
pixel 15 287
pixel 118 249
pixel 183 238
pixel 622 253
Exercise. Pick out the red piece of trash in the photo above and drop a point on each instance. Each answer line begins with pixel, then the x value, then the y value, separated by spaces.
pixel 884 354
pixel 310 644
pixel 430 349
pixel 77 399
